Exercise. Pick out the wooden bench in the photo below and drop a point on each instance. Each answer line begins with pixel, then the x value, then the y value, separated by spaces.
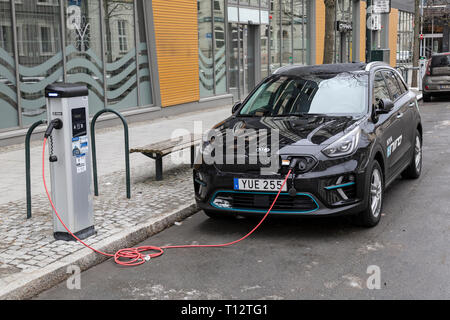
pixel 160 149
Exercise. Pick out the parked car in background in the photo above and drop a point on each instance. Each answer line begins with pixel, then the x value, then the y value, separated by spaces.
pixel 437 78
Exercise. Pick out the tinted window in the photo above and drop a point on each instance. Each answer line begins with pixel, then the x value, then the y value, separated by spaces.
pixel 345 93
pixel 393 85
pixel 440 61
pixel 440 65
pixel 380 90
pixel 403 87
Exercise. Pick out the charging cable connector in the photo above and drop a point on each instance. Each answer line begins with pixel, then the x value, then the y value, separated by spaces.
pixel 54 124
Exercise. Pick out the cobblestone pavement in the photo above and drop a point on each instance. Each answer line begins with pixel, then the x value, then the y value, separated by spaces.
pixel 28 245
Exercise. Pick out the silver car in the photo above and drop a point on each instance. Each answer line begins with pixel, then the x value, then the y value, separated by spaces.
pixel 437 78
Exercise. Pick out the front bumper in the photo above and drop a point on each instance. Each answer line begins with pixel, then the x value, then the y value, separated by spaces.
pixel 336 190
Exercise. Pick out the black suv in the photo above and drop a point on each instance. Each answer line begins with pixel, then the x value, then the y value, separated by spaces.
pixel 346 131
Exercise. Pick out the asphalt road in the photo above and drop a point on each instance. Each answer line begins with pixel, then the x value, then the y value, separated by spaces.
pixel 304 259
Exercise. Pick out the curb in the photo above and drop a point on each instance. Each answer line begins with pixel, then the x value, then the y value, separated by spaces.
pixel 25 286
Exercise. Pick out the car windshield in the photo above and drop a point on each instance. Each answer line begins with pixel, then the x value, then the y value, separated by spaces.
pixel 280 95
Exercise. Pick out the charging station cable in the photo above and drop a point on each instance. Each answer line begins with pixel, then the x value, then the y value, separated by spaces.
pixel 136 255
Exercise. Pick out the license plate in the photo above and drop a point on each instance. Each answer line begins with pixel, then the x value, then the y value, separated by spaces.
pixel 445 87
pixel 258 184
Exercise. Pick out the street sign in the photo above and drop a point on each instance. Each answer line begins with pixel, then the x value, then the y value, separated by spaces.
pixel 374 22
pixel 344 26
pixel 381 6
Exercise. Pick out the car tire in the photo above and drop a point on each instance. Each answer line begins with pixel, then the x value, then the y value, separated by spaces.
pixel 415 167
pixel 370 217
pixel 426 97
pixel 218 215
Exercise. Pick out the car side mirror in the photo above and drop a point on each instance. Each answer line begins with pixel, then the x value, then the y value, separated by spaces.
pixel 384 106
pixel 236 107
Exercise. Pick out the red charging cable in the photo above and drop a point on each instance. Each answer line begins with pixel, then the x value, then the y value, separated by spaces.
pixel 135 255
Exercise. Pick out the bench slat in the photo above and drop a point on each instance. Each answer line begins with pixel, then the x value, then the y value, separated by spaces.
pixel 166 147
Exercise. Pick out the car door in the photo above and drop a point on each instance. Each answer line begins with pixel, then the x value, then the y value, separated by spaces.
pixel 401 144
pixel 408 99
pixel 387 128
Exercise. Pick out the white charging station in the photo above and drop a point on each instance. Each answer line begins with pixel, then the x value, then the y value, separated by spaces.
pixel 70 160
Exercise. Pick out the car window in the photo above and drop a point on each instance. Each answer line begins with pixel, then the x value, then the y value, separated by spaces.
pixel 440 61
pixel 393 85
pixel 309 94
pixel 380 90
pixel 403 87
pixel 440 65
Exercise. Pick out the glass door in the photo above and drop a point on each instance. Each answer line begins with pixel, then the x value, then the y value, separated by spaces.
pixel 242 59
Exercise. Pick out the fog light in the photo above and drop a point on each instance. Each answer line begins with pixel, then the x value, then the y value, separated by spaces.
pixel 222 203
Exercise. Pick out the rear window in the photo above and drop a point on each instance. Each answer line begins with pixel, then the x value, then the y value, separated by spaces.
pixel 440 61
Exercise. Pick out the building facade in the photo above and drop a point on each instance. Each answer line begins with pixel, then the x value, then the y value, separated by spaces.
pixel 154 58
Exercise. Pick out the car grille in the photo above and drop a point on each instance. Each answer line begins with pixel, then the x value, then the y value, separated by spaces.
pixel 259 201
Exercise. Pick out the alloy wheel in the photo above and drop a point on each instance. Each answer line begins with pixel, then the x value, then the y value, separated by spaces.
pixel 376 192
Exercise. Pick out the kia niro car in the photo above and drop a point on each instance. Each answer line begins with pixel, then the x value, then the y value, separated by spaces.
pixel 345 130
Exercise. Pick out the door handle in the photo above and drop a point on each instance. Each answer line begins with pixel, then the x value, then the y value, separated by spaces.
pixel 412 104
pixel 399 115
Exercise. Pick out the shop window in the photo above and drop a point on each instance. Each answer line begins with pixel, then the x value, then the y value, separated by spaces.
pixel 212 55
pixel 8 97
pixel 40 58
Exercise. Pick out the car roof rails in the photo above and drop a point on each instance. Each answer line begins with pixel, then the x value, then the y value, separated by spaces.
pixel 373 64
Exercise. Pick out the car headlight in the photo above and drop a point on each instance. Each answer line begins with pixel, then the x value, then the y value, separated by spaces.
pixel 345 145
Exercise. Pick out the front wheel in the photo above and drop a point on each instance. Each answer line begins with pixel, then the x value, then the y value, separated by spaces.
pixel 372 214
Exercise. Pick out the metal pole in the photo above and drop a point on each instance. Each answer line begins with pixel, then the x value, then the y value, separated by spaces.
pixel 28 164
pixel 368 32
pixel 137 54
pixel 127 150
pixel 213 48
pixel 16 62
pixel 63 39
pixel 102 42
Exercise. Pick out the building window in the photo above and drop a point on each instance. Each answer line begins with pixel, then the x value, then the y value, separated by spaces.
pixel 405 36
pixel 124 83
pixel 9 115
pixel 122 34
pixel 288 34
pixel 212 57
pixel 46 40
pixel 6 38
pixel 40 59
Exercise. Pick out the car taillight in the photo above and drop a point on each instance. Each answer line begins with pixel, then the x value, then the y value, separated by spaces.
pixel 428 72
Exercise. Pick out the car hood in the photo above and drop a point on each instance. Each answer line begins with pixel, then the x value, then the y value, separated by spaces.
pixel 309 130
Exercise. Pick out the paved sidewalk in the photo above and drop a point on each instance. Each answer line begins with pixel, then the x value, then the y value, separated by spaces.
pixel 30 258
